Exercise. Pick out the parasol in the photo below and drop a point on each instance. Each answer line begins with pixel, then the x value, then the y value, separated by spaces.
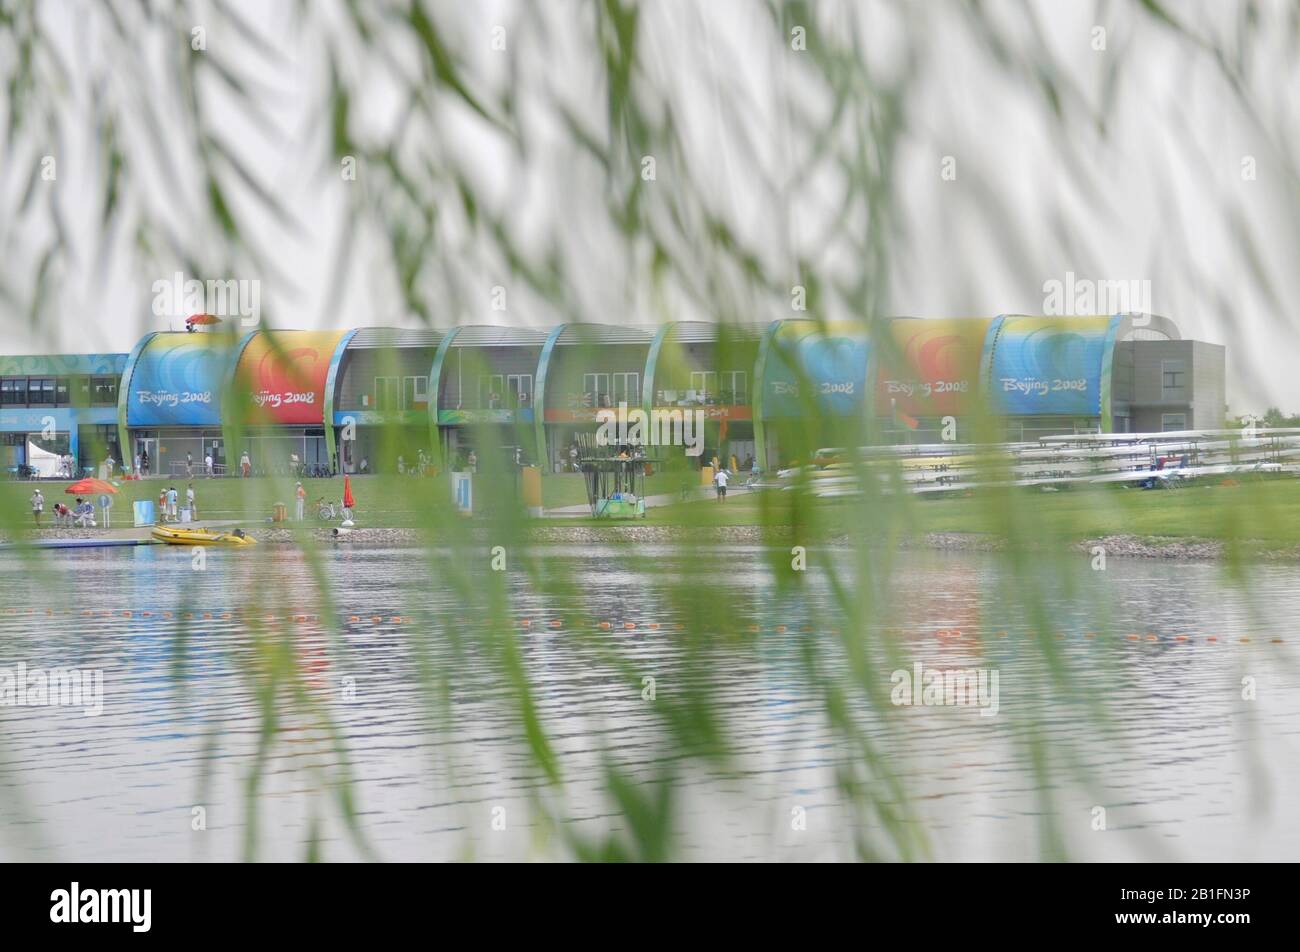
pixel 88 487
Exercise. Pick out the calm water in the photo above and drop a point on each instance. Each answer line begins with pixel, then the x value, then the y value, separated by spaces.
pixel 1182 764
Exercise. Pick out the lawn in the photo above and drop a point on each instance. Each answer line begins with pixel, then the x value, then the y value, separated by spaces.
pixel 1267 510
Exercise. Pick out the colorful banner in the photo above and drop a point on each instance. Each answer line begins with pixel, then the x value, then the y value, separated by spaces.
pixel 282 374
pixel 1048 365
pixel 931 368
pixel 178 379
pixel 830 359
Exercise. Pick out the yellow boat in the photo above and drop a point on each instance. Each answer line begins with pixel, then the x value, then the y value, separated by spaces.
pixel 201 536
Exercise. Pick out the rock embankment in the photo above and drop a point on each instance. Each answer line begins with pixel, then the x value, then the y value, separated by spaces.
pixel 1115 546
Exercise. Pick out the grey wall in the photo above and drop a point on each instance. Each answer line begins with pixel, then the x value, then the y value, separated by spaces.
pixel 359 368
pixel 1203 392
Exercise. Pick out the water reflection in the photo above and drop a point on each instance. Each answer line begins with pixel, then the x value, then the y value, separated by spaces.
pixel 1123 715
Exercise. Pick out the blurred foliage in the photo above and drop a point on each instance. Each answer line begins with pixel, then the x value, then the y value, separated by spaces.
pixel 526 167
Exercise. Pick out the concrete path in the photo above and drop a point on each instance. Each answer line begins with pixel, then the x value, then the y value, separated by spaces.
pixel 651 502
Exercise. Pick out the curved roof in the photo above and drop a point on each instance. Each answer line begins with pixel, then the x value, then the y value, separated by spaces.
pixel 493 335
pixel 177 379
pixel 282 375
pixel 604 334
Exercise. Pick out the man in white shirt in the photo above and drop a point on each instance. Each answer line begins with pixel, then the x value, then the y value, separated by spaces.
pixel 720 481
pixel 207 465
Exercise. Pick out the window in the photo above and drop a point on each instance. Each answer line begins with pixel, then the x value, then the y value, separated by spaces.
pixel 388 393
pixel 704 383
pixel 40 391
pixel 415 392
pixel 1172 375
pixel 735 384
pixel 62 393
pixel 490 388
pixel 13 391
pixel 103 391
pixel 595 390
pixel 1172 421
pixel 627 388
pixel 520 389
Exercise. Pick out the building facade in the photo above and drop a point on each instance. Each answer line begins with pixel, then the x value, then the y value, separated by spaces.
pixel 360 400
pixel 59 406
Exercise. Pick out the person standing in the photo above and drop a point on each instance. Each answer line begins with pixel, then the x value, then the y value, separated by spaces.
pixel 172 499
pixel 245 465
pixel 207 464
pixel 720 481
pixel 189 465
pixel 189 503
pixel 301 495
pixel 162 505
pixel 144 462
pixel 473 461
pixel 137 465
pixel 38 506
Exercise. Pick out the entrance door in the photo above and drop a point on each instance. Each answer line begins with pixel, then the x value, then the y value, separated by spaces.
pixel 147 444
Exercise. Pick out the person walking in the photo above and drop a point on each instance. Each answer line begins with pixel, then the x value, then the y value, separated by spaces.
pixel 720 481
pixel 301 495
pixel 38 506
pixel 245 465
pixel 189 465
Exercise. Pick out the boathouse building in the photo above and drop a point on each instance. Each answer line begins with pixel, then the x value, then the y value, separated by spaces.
pixel 334 399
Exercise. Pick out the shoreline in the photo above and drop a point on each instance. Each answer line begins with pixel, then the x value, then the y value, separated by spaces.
pixel 1177 548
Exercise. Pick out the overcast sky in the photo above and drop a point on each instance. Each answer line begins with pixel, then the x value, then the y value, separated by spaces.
pixel 1160 195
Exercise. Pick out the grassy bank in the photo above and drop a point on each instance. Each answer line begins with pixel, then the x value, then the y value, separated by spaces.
pixel 1268 511
pixel 1263 510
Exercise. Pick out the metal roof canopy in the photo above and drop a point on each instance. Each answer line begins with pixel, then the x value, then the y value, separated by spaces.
pixel 605 334
pixel 376 338
pixel 709 332
pixel 495 335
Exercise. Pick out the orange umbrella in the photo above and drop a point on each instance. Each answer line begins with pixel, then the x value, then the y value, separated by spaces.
pixel 348 501
pixel 88 487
